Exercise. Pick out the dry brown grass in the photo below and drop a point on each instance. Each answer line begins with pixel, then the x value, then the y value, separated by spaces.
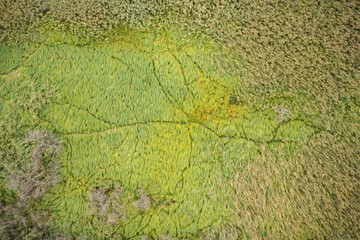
pixel 313 193
pixel 28 177
pixel 31 179
pixel 143 203
pixel 85 20
pixel 224 232
pixel 105 204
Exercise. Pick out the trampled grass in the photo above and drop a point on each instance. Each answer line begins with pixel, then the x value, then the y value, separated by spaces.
pixel 163 138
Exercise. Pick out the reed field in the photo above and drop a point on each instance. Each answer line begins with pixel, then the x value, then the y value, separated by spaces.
pixel 171 119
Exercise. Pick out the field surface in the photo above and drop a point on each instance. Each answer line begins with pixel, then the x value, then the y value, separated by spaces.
pixel 161 136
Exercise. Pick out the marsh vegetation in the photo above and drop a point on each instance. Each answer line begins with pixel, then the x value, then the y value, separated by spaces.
pixel 173 119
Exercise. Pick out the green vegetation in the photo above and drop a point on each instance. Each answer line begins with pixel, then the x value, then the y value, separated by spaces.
pixel 179 120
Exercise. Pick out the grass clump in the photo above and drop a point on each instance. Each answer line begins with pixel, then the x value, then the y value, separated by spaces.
pixel 28 169
pixel 143 203
pixel 105 205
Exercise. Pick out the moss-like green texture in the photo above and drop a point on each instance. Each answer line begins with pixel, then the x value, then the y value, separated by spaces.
pixel 150 114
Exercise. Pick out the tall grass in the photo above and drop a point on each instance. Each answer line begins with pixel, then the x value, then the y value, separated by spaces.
pixel 218 119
